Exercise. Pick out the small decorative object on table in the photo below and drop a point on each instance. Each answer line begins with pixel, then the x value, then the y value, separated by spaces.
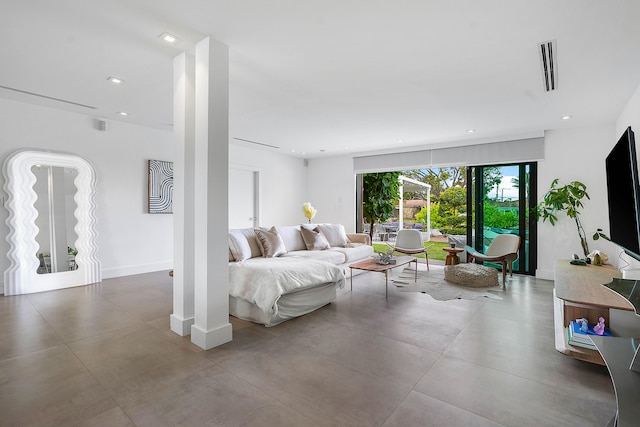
pixel 599 328
pixel 584 325
pixel 385 259
pixel 598 257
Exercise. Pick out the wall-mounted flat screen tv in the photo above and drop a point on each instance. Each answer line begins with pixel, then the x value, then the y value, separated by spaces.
pixel 624 194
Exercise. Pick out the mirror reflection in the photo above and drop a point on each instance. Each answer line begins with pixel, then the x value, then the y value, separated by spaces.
pixel 56 238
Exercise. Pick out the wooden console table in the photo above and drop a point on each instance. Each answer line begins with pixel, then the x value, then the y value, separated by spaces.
pixel 579 293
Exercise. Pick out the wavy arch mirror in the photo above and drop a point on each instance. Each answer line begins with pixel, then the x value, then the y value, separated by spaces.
pixel 51 222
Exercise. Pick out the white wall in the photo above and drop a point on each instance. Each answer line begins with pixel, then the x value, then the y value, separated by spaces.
pixel 331 190
pixel 574 155
pixel 283 183
pixel 630 116
pixel 129 240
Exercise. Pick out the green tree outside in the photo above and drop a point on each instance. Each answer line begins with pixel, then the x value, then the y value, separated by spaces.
pixel 380 194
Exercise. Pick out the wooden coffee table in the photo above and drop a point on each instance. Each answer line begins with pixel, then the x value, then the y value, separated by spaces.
pixel 370 265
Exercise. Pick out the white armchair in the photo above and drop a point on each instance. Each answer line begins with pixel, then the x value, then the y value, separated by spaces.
pixel 410 242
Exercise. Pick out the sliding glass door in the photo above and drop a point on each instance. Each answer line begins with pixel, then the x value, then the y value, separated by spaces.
pixel 499 199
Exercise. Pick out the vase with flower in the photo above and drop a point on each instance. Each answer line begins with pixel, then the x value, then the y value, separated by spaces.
pixel 309 211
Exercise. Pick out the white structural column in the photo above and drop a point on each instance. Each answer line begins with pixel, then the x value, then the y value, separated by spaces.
pixel 183 193
pixel 211 293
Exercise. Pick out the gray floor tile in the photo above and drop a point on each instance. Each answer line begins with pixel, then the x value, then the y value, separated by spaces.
pixel 114 417
pixel 420 410
pixel 368 352
pixel 323 390
pixel 509 399
pixel 80 312
pixel 134 360
pixel 23 329
pixel 49 388
pixel 212 397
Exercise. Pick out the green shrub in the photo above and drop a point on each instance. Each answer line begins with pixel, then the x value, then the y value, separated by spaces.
pixel 495 217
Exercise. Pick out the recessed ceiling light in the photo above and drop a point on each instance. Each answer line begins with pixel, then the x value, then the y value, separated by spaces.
pixel 123 113
pixel 471 130
pixel 566 117
pixel 293 151
pixel 169 38
pixel 115 80
pixel 401 140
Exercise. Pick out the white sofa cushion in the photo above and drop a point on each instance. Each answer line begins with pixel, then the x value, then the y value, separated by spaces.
pixel 239 246
pixel 292 238
pixel 335 234
pixel 333 257
pixel 355 253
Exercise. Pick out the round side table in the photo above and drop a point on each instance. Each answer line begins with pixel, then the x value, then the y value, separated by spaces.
pixel 452 255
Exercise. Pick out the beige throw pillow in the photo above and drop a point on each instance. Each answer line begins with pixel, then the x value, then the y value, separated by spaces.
pixel 313 239
pixel 271 243
pixel 335 234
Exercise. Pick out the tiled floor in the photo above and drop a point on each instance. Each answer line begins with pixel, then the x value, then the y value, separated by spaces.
pixel 103 355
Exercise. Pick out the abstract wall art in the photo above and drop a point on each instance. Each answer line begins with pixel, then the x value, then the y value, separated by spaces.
pixel 160 187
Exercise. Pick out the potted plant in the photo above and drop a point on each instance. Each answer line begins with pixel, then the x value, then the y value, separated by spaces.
pixel 568 199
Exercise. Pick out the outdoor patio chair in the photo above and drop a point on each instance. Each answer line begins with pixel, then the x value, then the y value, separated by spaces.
pixel 410 242
pixel 503 249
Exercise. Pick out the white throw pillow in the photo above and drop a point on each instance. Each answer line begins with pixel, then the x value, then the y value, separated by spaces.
pixel 335 234
pixel 250 235
pixel 239 246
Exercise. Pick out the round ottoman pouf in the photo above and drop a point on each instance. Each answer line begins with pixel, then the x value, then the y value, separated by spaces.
pixel 472 275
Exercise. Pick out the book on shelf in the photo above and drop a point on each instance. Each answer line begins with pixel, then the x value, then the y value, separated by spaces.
pixel 579 340
pixel 583 345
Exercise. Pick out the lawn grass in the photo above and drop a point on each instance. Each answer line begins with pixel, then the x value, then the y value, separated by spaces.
pixel 434 252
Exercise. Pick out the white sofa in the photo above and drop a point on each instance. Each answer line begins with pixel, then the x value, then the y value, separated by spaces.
pixel 275 275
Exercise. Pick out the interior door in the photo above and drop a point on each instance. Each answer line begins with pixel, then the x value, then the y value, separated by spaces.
pixel 500 198
pixel 243 198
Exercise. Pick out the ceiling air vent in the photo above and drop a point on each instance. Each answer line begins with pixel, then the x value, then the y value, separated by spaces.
pixel 256 143
pixel 51 98
pixel 548 61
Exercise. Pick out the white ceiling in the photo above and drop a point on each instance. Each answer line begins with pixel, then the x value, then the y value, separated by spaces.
pixel 334 76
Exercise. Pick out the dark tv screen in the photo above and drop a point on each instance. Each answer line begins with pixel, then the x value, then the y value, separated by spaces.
pixel 623 193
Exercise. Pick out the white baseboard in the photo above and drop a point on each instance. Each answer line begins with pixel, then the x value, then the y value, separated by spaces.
pixel 108 273
pixel 181 326
pixel 213 338
pixel 544 274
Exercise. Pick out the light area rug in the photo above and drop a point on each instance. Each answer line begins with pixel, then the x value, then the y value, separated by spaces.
pixel 432 282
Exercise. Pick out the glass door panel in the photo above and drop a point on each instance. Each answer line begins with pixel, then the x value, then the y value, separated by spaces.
pixel 499 198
